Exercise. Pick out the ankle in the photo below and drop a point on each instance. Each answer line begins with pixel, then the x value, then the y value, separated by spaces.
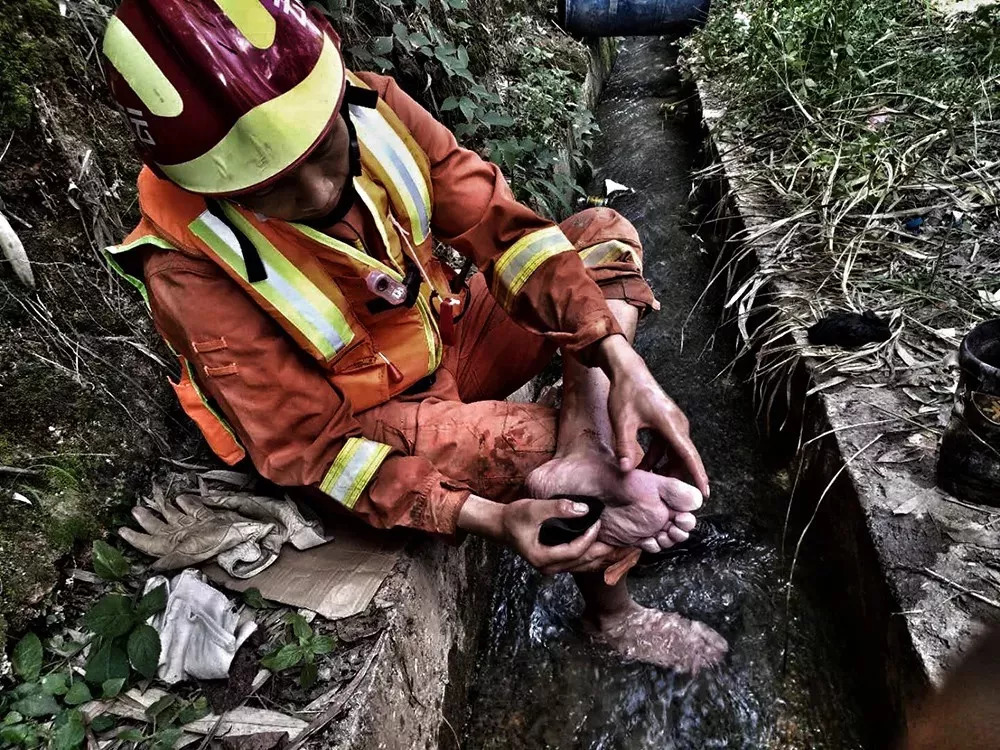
pixel 584 443
pixel 605 618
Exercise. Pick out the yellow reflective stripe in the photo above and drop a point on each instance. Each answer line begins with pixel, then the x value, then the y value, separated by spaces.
pixel 149 239
pixel 140 71
pixel 252 20
pixel 353 469
pixel 270 137
pixel 397 163
pixel 286 288
pixel 342 247
pixel 516 265
pixel 201 395
pixel 431 334
pixel 111 251
pixel 379 222
pixel 606 252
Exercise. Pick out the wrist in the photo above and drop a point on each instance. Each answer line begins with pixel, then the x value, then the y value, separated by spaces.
pixel 482 517
pixel 615 355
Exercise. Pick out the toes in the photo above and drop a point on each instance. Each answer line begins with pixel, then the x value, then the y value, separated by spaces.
pixel 685 521
pixel 679 495
pixel 650 545
pixel 663 539
pixel 677 534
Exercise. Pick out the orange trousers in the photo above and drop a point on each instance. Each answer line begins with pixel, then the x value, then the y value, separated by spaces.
pixel 465 428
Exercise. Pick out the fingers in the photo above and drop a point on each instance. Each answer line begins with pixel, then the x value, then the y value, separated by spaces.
pixel 663 539
pixel 148 520
pixel 683 446
pixel 151 545
pixel 654 455
pixel 542 510
pixel 598 557
pixel 192 506
pixel 627 448
pixel 680 496
pixel 555 559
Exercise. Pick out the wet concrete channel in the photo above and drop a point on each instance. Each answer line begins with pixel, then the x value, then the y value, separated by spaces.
pixel 788 680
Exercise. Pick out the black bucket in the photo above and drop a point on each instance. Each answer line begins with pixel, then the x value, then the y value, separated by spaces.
pixel 979 358
pixel 632 17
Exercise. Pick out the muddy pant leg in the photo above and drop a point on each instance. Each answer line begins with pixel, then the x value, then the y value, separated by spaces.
pixel 488 446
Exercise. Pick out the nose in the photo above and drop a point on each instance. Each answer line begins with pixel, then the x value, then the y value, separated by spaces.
pixel 316 189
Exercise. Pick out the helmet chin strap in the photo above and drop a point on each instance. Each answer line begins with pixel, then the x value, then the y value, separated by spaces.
pixel 354 95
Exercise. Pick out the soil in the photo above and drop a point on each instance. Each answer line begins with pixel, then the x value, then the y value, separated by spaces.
pixel 83 393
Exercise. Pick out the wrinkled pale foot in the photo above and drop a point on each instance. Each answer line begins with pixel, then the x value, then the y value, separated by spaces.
pixel 662 638
pixel 643 509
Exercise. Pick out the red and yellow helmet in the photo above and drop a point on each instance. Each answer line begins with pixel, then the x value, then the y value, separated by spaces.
pixel 224 96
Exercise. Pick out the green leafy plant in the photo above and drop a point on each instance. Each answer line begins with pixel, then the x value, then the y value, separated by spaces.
pixel 43 709
pixel 448 51
pixel 109 563
pixel 301 647
pixel 123 641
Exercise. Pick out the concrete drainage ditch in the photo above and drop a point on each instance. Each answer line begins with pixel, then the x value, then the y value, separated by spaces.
pixel 481 653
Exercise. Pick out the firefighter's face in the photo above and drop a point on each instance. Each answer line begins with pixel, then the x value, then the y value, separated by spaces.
pixel 312 189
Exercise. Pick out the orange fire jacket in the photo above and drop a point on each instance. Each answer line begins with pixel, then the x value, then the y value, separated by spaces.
pixel 292 421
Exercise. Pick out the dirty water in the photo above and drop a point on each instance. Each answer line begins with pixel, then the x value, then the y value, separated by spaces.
pixel 538 683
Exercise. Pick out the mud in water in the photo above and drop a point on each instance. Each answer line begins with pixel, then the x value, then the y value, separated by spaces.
pixel 786 682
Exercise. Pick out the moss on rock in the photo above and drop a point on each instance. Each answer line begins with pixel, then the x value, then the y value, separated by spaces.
pixel 30 40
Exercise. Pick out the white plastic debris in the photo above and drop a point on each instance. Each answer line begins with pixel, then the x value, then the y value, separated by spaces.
pixel 13 251
pixel 611 187
pixel 990 299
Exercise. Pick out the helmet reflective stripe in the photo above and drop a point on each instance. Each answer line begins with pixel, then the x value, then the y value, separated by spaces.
pixel 286 288
pixel 140 71
pixel 252 20
pixel 353 469
pixel 514 267
pixel 398 167
pixel 270 137
pixel 612 250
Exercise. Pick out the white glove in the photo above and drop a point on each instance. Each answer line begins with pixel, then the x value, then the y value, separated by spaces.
pixel 200 631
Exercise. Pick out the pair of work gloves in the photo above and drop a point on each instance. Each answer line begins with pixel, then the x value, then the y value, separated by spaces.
pixel 242 531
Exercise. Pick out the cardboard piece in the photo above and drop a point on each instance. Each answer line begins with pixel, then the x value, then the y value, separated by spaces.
pixel 336 580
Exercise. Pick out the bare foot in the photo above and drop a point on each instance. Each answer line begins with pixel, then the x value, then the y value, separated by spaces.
pixel 643 509
pixel 662 638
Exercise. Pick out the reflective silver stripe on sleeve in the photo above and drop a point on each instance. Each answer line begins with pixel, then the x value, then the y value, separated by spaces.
pixel 353 469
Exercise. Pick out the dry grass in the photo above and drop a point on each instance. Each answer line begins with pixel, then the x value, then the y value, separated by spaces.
pixel 855 122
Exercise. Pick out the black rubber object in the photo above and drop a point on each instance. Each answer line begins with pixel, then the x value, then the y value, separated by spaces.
pixel 556 531
pixel 849 330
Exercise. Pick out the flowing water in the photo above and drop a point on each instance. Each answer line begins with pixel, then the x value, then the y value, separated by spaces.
pixel 785 682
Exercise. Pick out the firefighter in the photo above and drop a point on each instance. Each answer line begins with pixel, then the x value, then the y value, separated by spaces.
pixel 289 213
